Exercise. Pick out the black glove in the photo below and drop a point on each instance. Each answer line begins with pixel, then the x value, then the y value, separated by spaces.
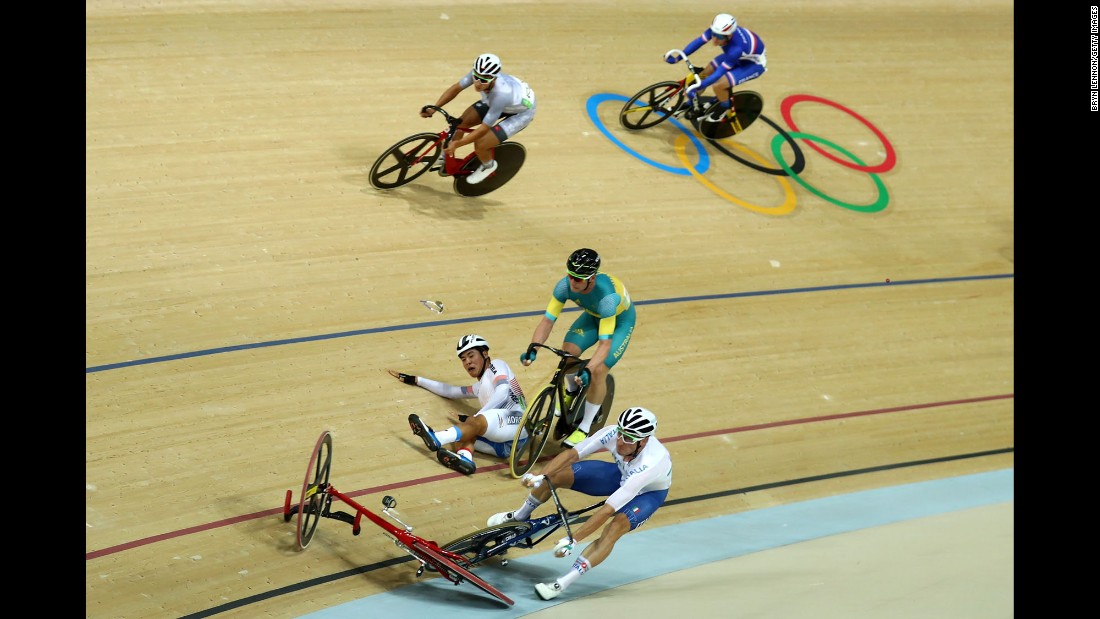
pixel 408 379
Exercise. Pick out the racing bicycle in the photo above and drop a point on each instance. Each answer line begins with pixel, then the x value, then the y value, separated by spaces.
pixel 497 540
pixel 658 102
pixel 315 503
pixel 418 154
pixel 544 415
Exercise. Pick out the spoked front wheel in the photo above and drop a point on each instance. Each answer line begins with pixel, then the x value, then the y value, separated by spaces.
pixel 537 421
pixel 405 161
pixel 509 156
pixel 315 499
pixel 652 105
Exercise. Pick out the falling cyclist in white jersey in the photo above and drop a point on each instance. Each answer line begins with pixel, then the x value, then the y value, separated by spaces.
pixel 493 428
pixel 635 482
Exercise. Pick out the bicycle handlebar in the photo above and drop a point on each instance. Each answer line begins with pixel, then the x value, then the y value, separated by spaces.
pixel 452 122
pixel 694 70
pixel 557 351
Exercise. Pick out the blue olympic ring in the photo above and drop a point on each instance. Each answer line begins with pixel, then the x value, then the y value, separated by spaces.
pixel 704 159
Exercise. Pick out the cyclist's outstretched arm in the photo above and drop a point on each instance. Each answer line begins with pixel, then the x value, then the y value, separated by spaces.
pixel 445 98
pixel 542 331
pixel 441 389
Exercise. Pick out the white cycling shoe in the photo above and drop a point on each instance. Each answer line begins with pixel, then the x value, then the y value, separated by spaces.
pixel 548 591
pixel 482 172
pixel 501 518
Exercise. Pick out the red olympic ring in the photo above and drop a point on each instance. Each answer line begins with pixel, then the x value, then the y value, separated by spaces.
pixel 891 156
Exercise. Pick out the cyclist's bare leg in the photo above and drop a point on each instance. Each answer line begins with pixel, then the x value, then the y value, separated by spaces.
pixel 597 386
pixel 722 90
pixel 472 428
pixel 597 389
pixel 484 146
pixel 599 550
pixel 470 118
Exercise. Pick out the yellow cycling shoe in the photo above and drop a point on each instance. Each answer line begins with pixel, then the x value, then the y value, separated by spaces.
pixel 574 438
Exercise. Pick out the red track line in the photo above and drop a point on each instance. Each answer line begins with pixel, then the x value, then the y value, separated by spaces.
pixel 95 554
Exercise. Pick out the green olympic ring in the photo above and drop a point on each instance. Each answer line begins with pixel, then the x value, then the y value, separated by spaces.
pixel 883 195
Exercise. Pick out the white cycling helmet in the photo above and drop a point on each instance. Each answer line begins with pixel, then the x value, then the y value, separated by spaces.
pixel 466 342
pixel 487 66
pixel 637 423
pixel 723 25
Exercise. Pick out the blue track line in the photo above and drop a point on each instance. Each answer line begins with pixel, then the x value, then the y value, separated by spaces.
pixel 456 321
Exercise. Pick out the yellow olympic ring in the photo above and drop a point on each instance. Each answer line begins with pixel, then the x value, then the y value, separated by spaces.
pixel 788 191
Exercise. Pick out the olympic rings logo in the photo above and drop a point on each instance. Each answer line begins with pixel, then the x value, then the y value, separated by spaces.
pixel 757 162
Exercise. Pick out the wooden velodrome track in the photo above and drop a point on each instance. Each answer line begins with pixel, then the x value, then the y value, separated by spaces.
pixel 247 289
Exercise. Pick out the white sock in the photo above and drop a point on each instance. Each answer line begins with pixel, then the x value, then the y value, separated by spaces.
pixel 529 505
pixel 580 566
pixel 590 411
pixel 465 453
pixel 570 384
pixel 448 436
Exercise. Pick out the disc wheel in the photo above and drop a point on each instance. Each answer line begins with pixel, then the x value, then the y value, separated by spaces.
pixel 605 408
pixel 652 105
pixel 405 161
pixel 797 165
pixel 491 541
pixel 509 156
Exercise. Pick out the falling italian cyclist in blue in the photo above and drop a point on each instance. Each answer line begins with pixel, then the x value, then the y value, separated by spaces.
pixel 742 59
pixel 607 321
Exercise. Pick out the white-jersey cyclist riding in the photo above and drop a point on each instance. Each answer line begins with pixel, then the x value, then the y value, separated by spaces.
pixel 506 107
